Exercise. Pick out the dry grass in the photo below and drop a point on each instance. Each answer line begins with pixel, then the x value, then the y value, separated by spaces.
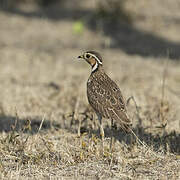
pixel 43 97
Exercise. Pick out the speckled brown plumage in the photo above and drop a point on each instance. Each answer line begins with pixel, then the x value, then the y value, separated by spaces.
pixel 103 94
pixel 106 99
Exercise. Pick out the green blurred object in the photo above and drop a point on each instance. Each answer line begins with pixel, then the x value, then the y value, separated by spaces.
pixel 78 27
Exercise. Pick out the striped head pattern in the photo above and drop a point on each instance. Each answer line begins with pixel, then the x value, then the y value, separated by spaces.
pixel 93 58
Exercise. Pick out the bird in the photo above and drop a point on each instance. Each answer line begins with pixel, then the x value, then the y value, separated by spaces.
pixel 104 95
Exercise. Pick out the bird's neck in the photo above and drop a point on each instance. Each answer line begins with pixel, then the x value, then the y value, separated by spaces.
pixel 96 67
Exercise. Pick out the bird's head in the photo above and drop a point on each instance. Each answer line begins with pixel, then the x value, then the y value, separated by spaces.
pixel 93 58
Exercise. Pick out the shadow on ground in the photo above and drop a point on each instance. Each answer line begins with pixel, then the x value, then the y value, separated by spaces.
pixel 165 142
pixel 168 142
pixel 123 35
pixel 159 141
pixel 7 123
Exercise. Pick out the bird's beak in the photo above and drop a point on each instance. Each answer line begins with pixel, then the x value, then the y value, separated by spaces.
pixel 80 57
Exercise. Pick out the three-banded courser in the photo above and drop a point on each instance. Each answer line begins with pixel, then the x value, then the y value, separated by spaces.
pixel 104 95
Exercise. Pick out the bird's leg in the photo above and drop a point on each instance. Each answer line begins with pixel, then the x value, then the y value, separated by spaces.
pixel 112 136
pixel 79 128
pixel 101 129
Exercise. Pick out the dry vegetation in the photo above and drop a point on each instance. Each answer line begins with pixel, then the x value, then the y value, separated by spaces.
pixel 43 97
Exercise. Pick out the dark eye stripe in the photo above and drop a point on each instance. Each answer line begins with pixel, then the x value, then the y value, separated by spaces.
pixel 89 55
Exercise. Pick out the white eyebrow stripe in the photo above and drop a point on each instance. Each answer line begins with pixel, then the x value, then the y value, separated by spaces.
pixel 96 58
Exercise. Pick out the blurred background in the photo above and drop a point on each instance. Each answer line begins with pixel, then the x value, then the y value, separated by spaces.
pixel 40 41
pixel 43 88
pixel 140 27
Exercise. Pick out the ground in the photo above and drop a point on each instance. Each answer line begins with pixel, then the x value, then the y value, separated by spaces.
pixel 43 93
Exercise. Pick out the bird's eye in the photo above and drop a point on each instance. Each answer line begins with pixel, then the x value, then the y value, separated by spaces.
pixel 88 56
